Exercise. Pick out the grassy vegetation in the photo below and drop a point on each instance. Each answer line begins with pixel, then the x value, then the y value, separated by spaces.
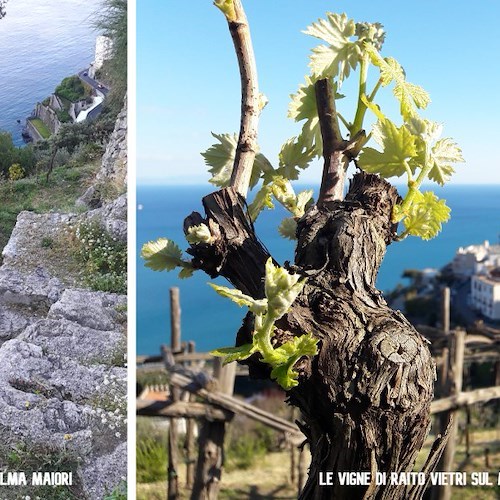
pixel 36 458
pixel 66 184
pixel 73 89
pixel 250 473
pixel 43 130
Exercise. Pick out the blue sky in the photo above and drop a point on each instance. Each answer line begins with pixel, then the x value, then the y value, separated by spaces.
pixel 188 81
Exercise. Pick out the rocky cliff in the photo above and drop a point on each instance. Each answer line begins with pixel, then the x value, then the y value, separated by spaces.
pixel 62 347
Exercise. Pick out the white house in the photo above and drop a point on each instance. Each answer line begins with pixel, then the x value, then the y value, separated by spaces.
pixel 476 259
pixel 485 295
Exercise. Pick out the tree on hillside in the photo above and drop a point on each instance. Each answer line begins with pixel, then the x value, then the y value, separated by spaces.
pixel 3 12
pixel 360 373
pixel 112 21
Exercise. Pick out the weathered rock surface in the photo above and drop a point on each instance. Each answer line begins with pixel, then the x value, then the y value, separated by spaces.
pixel 62 375
pixel 60 387
pixel 112 216
pixel 112 176
pixel 36 289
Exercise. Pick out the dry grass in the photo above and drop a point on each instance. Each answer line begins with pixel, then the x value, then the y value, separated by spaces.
pixel 270 477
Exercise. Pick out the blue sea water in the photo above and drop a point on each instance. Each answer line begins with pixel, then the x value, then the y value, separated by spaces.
pixel 41 42
pixel 212 321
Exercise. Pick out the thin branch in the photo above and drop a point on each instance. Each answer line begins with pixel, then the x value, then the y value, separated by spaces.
pixel 250 101
pixel 336 162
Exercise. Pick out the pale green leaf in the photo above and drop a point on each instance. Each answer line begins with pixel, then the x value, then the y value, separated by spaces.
pixel 408 94
pixel 281 289
pixel 261 201
pixel 220 158
pixel 429 131
pixel 302 201
pixel 444 153
pixel 288 228
pixel 303 103
pixel 199 234
pixel 233 353
pixel 257 306
pixel 398 147
pixel 342 54
pixel 186 272
pixel 425 215
pixel 291 352
pixel 162 255
pixel 294 153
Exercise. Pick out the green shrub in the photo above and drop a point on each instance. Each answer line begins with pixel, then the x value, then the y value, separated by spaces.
pixel 16 172
pixel 72 88
pixel 64 116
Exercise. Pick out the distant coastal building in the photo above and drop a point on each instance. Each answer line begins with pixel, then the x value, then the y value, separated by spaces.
pixel 103 52
pixel 485 294
pixel 476 259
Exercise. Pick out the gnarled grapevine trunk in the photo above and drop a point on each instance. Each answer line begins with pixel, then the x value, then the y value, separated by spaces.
pixel 365 398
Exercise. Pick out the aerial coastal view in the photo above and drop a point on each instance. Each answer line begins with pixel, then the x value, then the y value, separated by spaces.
pixel 63 233
pixel 358 240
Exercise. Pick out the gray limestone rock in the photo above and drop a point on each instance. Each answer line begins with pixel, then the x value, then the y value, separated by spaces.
pixel 112 216
pixel 99 478
pixel 96 310
pixel 70 340
pixel 12 323
pixel 36 289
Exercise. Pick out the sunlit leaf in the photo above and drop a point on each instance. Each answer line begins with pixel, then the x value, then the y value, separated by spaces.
pixel 426 215
pixel 257 306
pixel 199 234
pixel 341 55
pixel 162 255
pixel 444 153
pixel 398 147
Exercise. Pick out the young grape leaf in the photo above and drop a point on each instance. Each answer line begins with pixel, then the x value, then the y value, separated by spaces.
pixel 220 158
pixel 233 353
pixel 444 153
pixel 425 215
pixel 162 255
pixel 408 94
pixel 281 289
pixel 186 272
pixel 291 352
pixel 199 234
pixel 294 153
pixel 288 228
pixel 398 147
pixel 257 306
pixel 262 200
pixel 342 54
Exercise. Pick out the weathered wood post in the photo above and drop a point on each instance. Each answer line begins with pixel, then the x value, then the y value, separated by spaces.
pixel 189 443
pixel 175 345
pixel 457 351
pixel 175 320
pixel 211 441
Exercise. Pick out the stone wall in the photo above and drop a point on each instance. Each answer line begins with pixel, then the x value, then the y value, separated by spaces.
pixel 48 116
pixel 32 131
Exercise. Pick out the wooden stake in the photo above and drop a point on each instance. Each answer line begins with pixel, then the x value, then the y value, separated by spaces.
pixel 456 378
pixel 175 320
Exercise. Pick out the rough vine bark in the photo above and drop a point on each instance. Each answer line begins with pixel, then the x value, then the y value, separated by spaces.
pixel 365 398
